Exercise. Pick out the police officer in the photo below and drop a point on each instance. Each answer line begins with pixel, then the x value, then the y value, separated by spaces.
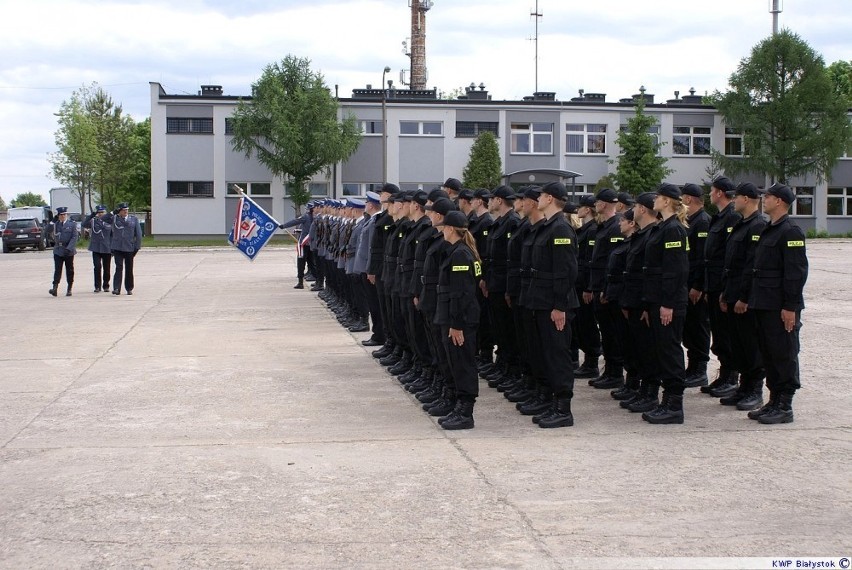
pixel 383 224
pixel 100 237
pixel 625 202
pixel 305 222
pixel 452 187
pixel 696 328
pixel 66 236
pixel 665 297
pixel 588 337
pixel 480 230
pixel 372 209
pixel 359 295
pixel 612 296
pixel 458 315
pixel 780 272
pixel 721 224
pixel 126 242
pixel 739 263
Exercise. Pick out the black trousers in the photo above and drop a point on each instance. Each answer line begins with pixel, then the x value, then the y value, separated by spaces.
pixel 780 351
pixel 531 349
pixel 416 332
pixel 555 353
pixel 696 332
pixel 123 268
pixel 372 295
pixel 58 262
pixel 437 335
pixel 622 331
pixel 308 256
pixel 503 327
pixel 744 345
pixel 720 330
pixel 485 336
pixel 318 270
pixel 101 263
pixel 668 351
pixel 609 336
pixel 359 294
pixel 586 329
pixel 462 362
pixel 642 341
pixel 398 312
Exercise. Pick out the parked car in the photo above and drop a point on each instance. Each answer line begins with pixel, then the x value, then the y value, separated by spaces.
pixel 23 232
pixel 42 214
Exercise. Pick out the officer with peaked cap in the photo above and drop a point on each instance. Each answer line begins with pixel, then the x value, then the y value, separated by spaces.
pixel 305 222
pixel 126 243
pixel 776 299
pixel 100 236
pixel 696 328
pixel 66 235
pixel 372 209
pixel 359 295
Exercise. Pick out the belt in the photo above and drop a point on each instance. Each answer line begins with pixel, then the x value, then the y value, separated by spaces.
pixel 428 280
pixel 771 273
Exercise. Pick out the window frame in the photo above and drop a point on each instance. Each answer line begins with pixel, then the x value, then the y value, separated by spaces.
pixel 191 193
pixel 479 127
pixel 653 130
pixel 586 135
pixel 530 133
pixel 362 187
pixel 802 192
pixel 251 188
pixel 311 187
pixel 845 199
pixel 691 140
pixel 362 123
pixel 193 126
pixel 732 134
pixel 421 129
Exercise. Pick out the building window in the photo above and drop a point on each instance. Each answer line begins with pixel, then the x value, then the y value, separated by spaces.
pixel 196 126
pixel 177 189
pixel 315 188
pixel 360 188
pixel 653 130
pixel 251 188
pixel 421 128
pixel 840 201
pixel 532 138
pixel 229 126
pixel 691 140
pixel 804 204
pixel 733 142
pixel 585 139
pixel 472 129
pixel 369 128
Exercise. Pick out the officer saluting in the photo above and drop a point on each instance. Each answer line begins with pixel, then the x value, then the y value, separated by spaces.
pixel 126 242
pixel 67 235
pixel 100 236
pixel 780 272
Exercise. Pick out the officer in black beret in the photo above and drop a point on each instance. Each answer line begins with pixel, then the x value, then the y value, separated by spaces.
pixel 696 329
pixel 585 329
pixel 480 228
pixel 776 299
pixel 721 224
pixel 625 202
pixel 383 225
pixel 739 265
pixel 452 187
pixel 612 295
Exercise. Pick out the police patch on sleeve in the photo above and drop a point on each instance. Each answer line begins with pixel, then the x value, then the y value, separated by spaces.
pixel 673 244
pixel 477 268
pixel 755 238
pixel 702 234
pixel 461 267
pixel 561 241
pixel 796 243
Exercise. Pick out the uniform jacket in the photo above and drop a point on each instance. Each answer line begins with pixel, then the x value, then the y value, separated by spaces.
pixel 666 268
pixel 585 244
pixel 739 258
pixel 480 229
pixel 699 226
pixel 615 267
pixel 434 257
pixel 634 269
pixel 362 252
pixel 407 252
pixel 526 261
pixel 126 233
pixel 607 237
pixel 513 267
pixel 100 234
pixel 495 262
pixel 780 268
pixel 554 267
pixel 394 239
pixel 384 222
pixel 66 238
pixel 457 285
pixel 305 223
pixel 721 225
pixel 352 246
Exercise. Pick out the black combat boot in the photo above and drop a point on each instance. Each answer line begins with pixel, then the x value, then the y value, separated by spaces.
pixel 68 291
pixel 361 325
pixel 728 387
pixel 696 375
pixel 404 365
pixel 52 290
pixel 461 417
pixel 393 357
pixel 613 378
pixel 300 284
pixel 670 411
pixel 433 391
pixel 648 400
pixel 385 350
pixel 773 401
pixel 754 399
pixel 630 388
pixel 546 413
pixel 444 405
pixel 561 416
pixel 782 413
pixel 541 402
pixel 524 391
pixel 410 376
pixel 589 369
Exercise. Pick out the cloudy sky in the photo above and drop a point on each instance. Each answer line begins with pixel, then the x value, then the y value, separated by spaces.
pixel 49 48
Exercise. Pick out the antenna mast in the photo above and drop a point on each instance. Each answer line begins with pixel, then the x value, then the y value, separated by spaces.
pixel 537 15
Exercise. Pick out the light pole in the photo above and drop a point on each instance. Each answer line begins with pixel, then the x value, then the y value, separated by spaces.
pixel 385 126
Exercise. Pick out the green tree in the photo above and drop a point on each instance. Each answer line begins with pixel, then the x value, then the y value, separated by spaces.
pixel 840 73
pixel 793 120
pixel 113 138
pixel 606 181
pixel 639 168
pixel 75 162
pixel 28 199
pixel 484 168
pixel 138 184
pixel 291 125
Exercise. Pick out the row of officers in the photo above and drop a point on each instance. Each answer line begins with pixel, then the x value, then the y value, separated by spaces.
pixel 448 276
pixel 116 234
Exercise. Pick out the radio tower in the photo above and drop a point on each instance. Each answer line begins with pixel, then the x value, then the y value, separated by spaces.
pixel 418 75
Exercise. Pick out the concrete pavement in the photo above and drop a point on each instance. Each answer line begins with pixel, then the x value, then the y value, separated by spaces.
pixel 220 418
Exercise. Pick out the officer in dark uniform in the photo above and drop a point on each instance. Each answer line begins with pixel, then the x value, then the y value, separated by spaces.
pixel 696 328
pixel 383 224
pixel 305 221
pixel 721 224
pixel 400 360
pixel 100 237
pixel 739 263
pixel 612 295
pixel 372 209
pixel 126 242
pixel 452 187
pixel 66 236
pixel 776 299
pixel 625 202
pixel 552 299
pixel 458 315
pixel 585 329
pixel 480 230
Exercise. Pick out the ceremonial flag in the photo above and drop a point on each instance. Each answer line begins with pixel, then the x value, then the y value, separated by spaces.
pixel 253 227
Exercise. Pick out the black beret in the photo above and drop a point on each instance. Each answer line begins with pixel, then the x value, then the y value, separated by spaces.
pixel 782 191
pixel 420 197
pixel 482 194
pixel 724 184
pixel 390 188
pixel 607 195
pixel 405 197
pixel 748 190
pixel 555 189
pixel 626 198
pixel 504 192
pixel 570 208
pixel 437 193
pixel 454 219
pixel 669 191
pixel 646 199
pixel 691 189
pixel 588 201
pixel 442 206
pixel 532 192
pixel 466 195
pixel 628 215
pixel 453 183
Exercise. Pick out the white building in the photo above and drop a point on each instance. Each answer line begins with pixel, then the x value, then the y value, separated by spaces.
pixel 428 140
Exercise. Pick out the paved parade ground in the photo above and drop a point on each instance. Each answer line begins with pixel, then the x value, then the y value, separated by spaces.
pixel 220 418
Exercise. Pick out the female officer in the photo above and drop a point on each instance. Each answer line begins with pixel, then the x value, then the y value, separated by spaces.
pixel 665 297
pixel 458 315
